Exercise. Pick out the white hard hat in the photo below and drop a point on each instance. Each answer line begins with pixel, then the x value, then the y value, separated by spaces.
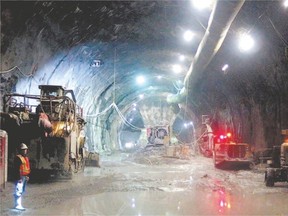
pixel 23 146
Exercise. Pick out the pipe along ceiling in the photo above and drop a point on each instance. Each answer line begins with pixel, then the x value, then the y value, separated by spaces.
pixel 99 49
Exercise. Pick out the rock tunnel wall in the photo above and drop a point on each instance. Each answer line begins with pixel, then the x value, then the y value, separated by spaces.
pixel 253 102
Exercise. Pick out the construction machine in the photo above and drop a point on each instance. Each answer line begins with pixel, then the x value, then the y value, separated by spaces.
pixel 277 170
pixel 50 124
pixel 228 150
pixel 158 135
pixel 222 147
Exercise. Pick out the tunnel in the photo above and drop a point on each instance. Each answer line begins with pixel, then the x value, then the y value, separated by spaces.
pixel 151 80
pixel 99 49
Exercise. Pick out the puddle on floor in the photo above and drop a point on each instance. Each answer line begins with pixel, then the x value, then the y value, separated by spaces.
pixel 217 202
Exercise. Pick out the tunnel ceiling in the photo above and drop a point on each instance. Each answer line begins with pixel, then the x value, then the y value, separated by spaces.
pixel 98 48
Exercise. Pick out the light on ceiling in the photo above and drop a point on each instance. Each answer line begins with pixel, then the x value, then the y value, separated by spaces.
pixel 140 80
pixel 202 4
pixel 246 42
pixel 159 77
pixel 188 35
pixel 177 68
pixel 181 57
pixel 141 96
pixel 286 3
pixel 225 67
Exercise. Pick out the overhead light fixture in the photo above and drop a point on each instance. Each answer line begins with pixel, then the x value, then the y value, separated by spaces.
pixel 202 4
pixel 286 3
pixel 225 67
pixel 188 35
pixel 140 80
pixel 181 57
pixel 246 42
pixel 177 68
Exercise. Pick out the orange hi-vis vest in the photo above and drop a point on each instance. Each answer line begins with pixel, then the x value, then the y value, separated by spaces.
pixel 25 166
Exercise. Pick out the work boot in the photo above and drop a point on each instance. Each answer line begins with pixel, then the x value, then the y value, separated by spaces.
pixel 20 208
pixel 18 205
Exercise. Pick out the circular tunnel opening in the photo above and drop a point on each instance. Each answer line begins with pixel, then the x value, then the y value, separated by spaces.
pixel 130 130
pixel 184 130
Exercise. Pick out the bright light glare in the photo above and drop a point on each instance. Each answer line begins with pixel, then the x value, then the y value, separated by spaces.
pixel 225 67
pixel 286 3
pixel 141 96
pixel 181 57
pixel 129 145
pixel 188 35
pixel 177 68
pixel 246 42
pixel 140 80
pixel 202 4
pixel 159 77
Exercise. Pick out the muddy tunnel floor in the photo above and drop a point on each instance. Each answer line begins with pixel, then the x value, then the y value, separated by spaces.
pixel 148 183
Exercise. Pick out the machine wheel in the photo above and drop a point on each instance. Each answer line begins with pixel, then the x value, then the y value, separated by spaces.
pixel 81 163
pixel 269 178
pixel 208 153
pixel 76 164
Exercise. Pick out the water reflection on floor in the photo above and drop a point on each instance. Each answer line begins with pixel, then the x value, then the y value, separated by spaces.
pixel 173 203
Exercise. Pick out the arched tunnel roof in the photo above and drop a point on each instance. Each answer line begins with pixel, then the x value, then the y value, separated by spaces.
pixel 99 48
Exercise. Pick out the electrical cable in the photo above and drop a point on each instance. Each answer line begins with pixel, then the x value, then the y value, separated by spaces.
pixel 277 32
pixel 100 113
pixel 126 122
pixel 13 68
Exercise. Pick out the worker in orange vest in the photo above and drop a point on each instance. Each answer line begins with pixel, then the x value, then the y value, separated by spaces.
pixel 22 171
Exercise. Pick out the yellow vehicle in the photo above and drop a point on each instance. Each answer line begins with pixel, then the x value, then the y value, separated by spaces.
pixel 52 126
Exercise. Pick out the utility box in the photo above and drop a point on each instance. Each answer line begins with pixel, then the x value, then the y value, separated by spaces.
pixel 3 158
